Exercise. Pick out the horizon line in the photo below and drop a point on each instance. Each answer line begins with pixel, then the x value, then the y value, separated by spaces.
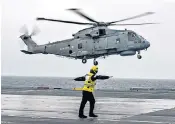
pixel 82 75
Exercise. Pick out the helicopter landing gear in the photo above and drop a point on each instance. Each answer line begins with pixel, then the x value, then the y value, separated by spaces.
pixel 95 62
pixel 84 60
pixel 138 55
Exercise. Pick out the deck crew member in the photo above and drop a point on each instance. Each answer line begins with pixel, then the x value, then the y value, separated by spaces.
pixel 87 93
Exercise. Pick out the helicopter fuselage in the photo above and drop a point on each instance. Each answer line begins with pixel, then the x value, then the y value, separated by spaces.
pixel 95 42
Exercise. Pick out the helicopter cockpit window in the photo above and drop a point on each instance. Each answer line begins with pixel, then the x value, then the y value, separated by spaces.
pixel 102 32
pixel 132 36
pixel 80 46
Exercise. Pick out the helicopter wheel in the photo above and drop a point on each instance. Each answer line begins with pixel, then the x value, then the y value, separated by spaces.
pixel 84 61
pixel 139 56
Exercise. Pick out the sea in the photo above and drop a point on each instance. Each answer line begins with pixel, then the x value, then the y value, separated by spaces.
pixel 23 83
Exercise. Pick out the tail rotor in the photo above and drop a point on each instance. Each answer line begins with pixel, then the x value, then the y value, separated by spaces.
pixel 24 30
pixel 26 37
pixel 35 31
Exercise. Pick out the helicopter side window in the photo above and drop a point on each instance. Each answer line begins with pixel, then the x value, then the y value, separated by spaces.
pixel 102 32
pixel 118 40
pixel 80 46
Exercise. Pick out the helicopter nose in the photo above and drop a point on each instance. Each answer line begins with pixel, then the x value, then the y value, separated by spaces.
pixel 147 44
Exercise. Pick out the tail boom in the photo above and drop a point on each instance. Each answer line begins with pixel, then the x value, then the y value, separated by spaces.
pixel 33 48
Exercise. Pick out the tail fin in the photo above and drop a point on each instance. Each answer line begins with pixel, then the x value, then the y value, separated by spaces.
pixel 29 42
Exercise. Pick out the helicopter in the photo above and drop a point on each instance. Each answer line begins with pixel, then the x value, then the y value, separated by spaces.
pixel 92 42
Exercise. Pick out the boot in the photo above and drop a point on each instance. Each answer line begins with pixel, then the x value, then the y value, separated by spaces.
pixel 93 115
pixel 82 116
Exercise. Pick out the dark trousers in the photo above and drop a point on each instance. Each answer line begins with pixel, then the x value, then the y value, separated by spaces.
pixel 87 96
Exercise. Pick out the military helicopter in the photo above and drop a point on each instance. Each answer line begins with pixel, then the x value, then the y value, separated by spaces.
pixel 92 42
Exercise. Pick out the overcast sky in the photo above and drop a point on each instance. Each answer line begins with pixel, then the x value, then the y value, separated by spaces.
pixel 157 62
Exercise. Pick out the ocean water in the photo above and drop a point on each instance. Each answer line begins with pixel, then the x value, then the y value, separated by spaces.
pixel 14 82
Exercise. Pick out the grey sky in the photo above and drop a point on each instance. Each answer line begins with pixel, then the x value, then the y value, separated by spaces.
pixel 157 62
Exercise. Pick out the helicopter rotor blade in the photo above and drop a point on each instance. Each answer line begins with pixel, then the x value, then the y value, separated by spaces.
pixel 35 31
pixel 73 22
pixel 80 13
pixel 133 17
pixel 24 30
pixel 133 24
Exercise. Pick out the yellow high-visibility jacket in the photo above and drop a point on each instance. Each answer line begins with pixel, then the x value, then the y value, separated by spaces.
pixel 89 85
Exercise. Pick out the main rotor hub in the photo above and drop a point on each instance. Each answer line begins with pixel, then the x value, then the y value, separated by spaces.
pixel 102 24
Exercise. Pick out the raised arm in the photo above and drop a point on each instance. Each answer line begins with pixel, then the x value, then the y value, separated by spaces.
pixel 93 78
pixel 82 78
pixel 102 77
